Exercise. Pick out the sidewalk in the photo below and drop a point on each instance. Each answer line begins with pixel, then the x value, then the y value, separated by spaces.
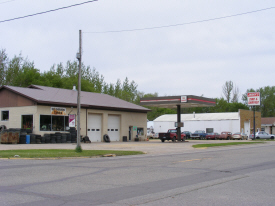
pixel 149 147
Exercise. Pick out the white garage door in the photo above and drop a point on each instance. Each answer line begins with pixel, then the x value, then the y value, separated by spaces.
pixel 114 127
pixel 94 127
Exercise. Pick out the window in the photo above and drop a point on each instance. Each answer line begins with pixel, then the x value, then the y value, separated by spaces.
pixel 53 123
pixel 140 131
pixel 27 122
pixel 4 115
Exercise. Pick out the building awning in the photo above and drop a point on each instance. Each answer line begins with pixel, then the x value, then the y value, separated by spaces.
pixel 185 101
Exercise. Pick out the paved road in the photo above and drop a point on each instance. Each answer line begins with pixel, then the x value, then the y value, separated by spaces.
pixel 237 175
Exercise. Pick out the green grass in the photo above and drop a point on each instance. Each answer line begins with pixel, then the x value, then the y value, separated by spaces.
pixel 59 153
pixel 224 144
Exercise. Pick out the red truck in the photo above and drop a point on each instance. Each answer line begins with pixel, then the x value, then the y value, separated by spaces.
pixel 171 135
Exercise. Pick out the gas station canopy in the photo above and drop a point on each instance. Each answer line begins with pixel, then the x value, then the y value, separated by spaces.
pixel 184 101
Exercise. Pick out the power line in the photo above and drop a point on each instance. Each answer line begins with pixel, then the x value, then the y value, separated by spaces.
pixel 181 24
pixel 65 7
pixel 6 2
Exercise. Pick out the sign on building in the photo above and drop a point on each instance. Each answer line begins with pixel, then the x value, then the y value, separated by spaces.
pixel 253 98
pixel 58 111
pixel 71 120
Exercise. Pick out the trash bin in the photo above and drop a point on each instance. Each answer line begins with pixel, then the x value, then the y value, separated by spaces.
pixel 124 138
pixel 28 139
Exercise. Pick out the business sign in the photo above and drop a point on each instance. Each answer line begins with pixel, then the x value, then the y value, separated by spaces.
pixel 134 128
pixel 58 111
pixel 183 99
pixel 72 120
pixel 253 98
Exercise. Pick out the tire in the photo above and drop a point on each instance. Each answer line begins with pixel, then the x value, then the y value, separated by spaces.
pixel 228 138
pixel 106 138
pixel 162 140
pixel 272 137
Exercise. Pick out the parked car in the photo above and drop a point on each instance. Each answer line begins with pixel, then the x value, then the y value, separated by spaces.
pixel 262 135
pixel 198 134
pixel 187 133
pixel 152 135
pixel 239 135
pixel 171 134
pixel 213 136
pixel 155 136
pixel 226 135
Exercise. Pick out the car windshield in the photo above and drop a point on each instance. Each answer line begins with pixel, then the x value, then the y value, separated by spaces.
pixel 237 133
pixel 210 133
pixel 172 130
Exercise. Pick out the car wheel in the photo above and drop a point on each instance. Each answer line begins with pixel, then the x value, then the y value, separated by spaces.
pixel 163 140
pixel 271 137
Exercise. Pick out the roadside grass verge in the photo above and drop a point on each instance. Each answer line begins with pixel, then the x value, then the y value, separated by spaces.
pixel 224 144
pixel 61 153
pixel 262 139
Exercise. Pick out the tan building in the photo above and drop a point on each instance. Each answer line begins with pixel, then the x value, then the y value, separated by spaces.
pixel 47 110
pixel 268 125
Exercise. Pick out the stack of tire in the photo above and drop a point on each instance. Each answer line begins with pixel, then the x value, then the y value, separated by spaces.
pixel 22 137
pixel 53 138
pixel 58 137
pixel 47 138
pixel 33 138
pixel 38 139
pixel 63 138
pixel 68 138
pixel 73 132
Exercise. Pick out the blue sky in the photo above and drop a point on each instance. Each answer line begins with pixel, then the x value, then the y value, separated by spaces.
pixel 192 59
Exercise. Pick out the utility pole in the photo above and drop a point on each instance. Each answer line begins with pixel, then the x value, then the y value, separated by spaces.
pixel 78 56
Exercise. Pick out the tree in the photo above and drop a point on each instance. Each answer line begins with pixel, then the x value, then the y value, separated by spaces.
pixel 267 107
pixel 227 89
pixel 236 94
pixel 3 66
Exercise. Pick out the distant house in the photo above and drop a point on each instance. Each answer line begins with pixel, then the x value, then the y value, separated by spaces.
pixel 46 110
pixel 268 125
pixel 241 121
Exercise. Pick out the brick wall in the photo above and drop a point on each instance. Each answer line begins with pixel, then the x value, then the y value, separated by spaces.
pixel 247 116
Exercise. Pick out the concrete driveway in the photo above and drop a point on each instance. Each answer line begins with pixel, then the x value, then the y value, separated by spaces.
pixel 149 147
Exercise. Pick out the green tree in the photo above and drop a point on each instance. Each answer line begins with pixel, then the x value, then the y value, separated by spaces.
pixel 3 66
pixel 267 107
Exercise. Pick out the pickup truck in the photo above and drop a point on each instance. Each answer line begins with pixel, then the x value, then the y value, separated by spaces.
pixel 170 135
pixel 198 134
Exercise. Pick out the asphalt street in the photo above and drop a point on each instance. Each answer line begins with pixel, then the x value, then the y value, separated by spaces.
pixel 235 175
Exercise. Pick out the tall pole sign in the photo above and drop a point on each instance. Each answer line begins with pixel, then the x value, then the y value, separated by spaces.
pixel 254 99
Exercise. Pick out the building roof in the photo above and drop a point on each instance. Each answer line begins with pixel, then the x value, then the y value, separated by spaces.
pixel 268 121
pixel 199 117
pixel 67 97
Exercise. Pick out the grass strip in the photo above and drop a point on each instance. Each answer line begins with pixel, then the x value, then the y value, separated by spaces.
pixel 59 153
pixel 224 144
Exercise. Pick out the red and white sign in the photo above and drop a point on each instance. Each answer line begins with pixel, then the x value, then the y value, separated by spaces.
pixel 183 99
pixel 72 120
pixel 253 98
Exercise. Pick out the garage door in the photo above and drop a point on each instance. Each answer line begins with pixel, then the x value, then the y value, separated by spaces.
pixel 114 127
pixel 94 127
